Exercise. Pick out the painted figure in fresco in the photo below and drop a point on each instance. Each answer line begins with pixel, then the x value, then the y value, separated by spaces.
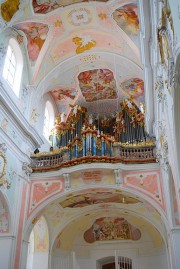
pixel 45 6
pixel 134 87
pixel 97 84
pixel 41 6
pixel 9 8
pixel 126 18
pixel 36 34
pixel 64 93
pixel 110 229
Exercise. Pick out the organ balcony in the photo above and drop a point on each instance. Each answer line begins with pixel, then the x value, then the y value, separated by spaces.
pixel 88 138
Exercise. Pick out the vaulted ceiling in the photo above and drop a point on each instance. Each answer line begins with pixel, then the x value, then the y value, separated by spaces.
pixel 82 53
pixel 86 53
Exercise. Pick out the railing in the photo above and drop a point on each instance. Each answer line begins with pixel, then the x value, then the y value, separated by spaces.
pixel 120 154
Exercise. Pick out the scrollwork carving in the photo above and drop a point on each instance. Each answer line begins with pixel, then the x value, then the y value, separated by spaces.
pixel 27 170
pixel 160 89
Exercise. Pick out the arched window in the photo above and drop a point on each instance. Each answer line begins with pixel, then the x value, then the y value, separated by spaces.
pixel 13 66
pixel 48 119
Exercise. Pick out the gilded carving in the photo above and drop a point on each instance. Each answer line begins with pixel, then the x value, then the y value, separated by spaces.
pixel 165 34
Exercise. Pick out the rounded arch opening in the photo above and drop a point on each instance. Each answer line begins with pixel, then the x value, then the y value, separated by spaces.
pixel 38 248
pixel 13 66
pixel 67 239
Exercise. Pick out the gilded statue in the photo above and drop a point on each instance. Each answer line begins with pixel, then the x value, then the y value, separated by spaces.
pixel 9 8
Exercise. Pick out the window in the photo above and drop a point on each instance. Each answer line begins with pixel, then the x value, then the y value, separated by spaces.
pixel 10 66
pixel 13 66
pixel 48 119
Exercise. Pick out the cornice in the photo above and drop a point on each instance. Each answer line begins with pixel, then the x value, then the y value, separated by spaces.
pixel 91 166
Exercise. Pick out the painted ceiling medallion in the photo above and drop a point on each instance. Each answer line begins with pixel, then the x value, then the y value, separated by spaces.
pixel 79 16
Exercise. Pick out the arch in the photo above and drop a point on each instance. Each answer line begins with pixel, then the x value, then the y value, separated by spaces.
pixel 13 66
pixel 163 231
pixel 43 85
pixel 149 203
pixel 38 250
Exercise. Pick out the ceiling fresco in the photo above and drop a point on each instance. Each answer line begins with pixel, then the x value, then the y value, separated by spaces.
pixel 98 92
pixel 134 88
pixel 64 93
pixel 87 55
pixel 43 7
pixel 98 84
pixel 97 197
pixel 36 34
pixel 103 226
pixel 126 18
pixel 108 228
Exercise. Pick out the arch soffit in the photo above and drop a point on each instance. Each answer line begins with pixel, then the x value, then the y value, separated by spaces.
pixel 41 210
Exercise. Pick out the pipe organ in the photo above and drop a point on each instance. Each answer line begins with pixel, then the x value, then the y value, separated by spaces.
pixel 86 134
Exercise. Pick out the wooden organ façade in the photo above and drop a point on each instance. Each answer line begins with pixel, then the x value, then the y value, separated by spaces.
pixel 87 134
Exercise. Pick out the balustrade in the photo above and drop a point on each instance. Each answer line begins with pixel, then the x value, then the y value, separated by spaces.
pixel 75 154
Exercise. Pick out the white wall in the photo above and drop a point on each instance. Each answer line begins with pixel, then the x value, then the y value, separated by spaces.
pixel 40 260
pixel 156 259
pixel 6 251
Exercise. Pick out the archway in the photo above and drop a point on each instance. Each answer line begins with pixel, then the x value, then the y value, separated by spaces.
pixel 38 250
pixel 78 218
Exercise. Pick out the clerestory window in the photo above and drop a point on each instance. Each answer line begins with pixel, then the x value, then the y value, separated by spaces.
pixel 48 119
pixel 13 66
